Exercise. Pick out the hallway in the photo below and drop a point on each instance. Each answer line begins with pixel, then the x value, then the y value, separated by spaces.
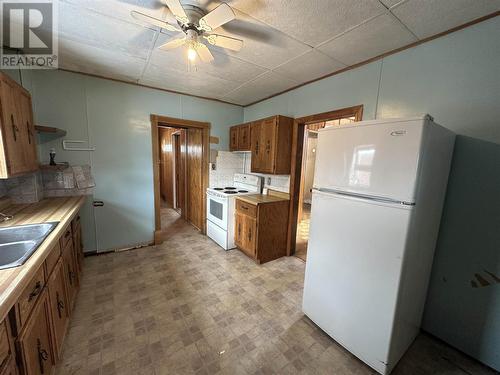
pixel 187 307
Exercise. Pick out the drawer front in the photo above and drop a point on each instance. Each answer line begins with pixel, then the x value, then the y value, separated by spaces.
pixel 29 297
pixel 52 258
pixel 66 237
pixel 246 208
pixel 4 346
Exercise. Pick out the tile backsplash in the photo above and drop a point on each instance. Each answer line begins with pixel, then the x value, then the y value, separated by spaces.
pixel 34 187
pixel 228 163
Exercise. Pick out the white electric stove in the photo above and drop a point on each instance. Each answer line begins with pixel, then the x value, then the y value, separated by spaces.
pixel 220 207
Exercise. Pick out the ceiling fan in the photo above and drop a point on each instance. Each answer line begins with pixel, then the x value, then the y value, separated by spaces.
pixel 196 26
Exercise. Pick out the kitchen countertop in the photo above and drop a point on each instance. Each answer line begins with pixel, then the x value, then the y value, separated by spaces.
pixel 260 198
pixel 14 280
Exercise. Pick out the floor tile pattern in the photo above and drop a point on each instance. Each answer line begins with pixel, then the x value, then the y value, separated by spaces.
pixel 188 307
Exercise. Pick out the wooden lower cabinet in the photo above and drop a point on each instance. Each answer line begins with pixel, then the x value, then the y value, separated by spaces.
pixel 58 304
pixel 261 228
pixel 34 342
pixel 7 359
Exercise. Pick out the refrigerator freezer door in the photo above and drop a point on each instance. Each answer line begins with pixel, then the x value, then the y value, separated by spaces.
pixel 353 268
pixel 373 159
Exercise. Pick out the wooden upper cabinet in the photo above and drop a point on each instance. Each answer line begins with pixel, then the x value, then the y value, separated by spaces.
pixel 271 145
pixel 17 142
pixel 233 138
pixel 239 138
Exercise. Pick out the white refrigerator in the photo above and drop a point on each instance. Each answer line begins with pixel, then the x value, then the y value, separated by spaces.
pixel 379 188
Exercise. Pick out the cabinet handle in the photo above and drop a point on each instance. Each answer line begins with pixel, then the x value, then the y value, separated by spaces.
pixel 249 235
pixel 60 305
pixel 15 129
pixel 71 275
pixel 257 147
pixel 36 291
pixel 42 355
pixel 268 146
pixel 29 131
pixel 67 234
pixel 239 230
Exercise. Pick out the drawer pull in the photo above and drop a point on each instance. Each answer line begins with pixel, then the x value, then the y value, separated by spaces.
pixel 67 234
pixel 71 275
pixel 36 291
pixel 244 207
pixel 60 305
pixel 42 356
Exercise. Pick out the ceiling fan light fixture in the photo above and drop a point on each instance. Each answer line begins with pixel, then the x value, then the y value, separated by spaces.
pixel 191 53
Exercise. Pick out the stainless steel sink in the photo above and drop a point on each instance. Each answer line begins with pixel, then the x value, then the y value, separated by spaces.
pixel 17 243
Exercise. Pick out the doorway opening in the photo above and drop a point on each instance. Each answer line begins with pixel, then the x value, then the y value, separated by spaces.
pixel 180 169
pixel 304 150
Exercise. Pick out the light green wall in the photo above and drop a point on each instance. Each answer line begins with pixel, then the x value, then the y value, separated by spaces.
pixel 456 79
pixel 114 118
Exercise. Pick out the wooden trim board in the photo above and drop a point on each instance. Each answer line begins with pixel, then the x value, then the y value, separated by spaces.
pixel 296 162
pixel 159 121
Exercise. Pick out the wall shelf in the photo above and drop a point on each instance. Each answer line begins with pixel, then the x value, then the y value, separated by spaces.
pixel 48 133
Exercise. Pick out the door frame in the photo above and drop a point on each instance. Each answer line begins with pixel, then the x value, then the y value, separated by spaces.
pixel 296 162
pixel 157 121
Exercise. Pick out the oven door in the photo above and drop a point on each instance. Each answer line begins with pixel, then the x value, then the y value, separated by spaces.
pixel 217 211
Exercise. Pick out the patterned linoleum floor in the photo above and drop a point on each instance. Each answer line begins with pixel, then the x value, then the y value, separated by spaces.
pixel 188 307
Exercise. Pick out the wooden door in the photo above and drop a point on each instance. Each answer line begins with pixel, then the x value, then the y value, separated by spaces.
pixel 34 341
pixel 58 306
pixel 244 137
pixel 233 138
pixel 70 275
pixel 195 177
pixel 256 146
pixel 268 140
pixel 12 137
pixel 27 127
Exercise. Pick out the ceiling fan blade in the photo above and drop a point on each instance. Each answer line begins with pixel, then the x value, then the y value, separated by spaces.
pixel 204 53
pixel 173 43
pixel 224 41
pixel 217 17
pixel 176 8
pixel 153 21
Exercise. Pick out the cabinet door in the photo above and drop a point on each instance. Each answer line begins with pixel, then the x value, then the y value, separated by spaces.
pixel 12 137
pixel 250 232
pixel 244 137
pixel 58 307
pixel 27 127
pixel 238 228
pixel 256 146
pixel 34 341
pixel 233 138
pixel 268 139
pixel 70 275
pixel 10 368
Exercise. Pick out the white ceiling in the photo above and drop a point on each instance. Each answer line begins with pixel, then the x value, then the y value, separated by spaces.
pixel 287 42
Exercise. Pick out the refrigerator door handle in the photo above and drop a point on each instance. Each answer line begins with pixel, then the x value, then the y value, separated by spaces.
pixel 364 196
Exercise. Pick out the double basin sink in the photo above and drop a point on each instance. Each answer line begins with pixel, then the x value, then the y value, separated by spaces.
pixel 19 242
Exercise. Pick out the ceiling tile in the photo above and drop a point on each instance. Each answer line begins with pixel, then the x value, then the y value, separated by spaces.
pixel 120 9
pixel 195 83
pixel 223 66
pixel 263 45
pixel 87 59
pixel 267 84
pixel 309 66
pixel 96 30
pixel 429 17
pixel 382 34
pixel 311 22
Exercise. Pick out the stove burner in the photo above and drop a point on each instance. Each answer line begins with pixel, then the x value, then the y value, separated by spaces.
pixel 230 192
pixel 218 188
pixel 242 191
pixel 230 188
